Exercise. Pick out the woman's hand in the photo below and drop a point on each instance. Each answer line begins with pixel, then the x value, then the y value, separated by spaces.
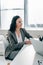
pixel 27 42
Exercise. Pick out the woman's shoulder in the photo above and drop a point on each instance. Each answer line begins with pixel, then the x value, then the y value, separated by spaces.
pixel 23 29
pixel 9 33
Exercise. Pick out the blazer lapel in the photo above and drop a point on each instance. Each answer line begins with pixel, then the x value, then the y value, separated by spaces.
pixel 14 36
pixel 22 34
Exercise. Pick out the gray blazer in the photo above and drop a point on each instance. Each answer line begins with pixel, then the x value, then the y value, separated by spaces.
pixel 13 43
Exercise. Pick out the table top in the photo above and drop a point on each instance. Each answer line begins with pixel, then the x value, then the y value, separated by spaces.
pixel 27 56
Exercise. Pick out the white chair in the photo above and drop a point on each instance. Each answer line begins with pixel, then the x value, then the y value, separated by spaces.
pixel 3 45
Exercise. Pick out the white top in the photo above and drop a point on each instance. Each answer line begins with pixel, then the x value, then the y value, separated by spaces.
pixel 19 38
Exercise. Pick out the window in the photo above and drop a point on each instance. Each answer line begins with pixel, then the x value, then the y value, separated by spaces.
pixel 10 8
pixel 0 13
pixel 34 14
pixel 9 4
pixel 31 12
pixel 6 17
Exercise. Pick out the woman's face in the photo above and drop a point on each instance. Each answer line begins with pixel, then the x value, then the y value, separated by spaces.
pixel 19 23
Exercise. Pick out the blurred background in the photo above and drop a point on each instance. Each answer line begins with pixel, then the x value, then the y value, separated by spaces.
pixel 30 11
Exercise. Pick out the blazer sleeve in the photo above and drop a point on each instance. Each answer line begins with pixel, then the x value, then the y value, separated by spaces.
pixel 27 34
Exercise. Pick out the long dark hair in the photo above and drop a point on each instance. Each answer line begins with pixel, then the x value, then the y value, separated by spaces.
pixel 13 23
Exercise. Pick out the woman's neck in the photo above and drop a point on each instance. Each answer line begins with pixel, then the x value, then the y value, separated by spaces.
pixel 17 30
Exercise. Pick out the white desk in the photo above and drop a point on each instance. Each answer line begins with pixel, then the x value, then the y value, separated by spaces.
pixel 27 56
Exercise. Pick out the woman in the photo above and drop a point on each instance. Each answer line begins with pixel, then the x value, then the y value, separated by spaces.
pixel 16 37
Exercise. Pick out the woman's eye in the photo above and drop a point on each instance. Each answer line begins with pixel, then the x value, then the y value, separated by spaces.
pixel 20 22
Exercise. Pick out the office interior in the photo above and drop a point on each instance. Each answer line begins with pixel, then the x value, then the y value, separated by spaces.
pixel 31 12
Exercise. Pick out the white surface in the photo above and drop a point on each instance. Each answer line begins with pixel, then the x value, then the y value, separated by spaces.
pixel 1 48
pixel 3 44
pixel 27 56
pixel 38 45
pixel 3 61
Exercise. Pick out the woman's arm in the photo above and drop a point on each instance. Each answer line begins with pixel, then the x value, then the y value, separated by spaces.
pixel 27 34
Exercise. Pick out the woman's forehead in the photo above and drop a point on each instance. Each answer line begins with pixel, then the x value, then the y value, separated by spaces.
pixel 19 19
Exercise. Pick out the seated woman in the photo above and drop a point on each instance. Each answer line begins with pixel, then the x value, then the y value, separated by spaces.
pixel 16 36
